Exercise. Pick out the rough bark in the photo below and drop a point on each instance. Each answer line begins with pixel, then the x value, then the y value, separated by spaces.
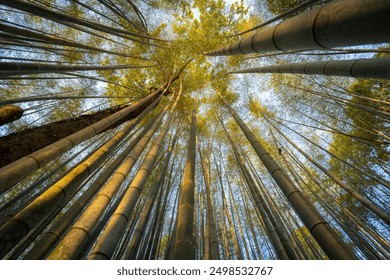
pixel 9 113
pixel 20 144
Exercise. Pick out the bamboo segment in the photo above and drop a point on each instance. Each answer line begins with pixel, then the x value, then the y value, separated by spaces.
pixel 375 68
pixel 10 113
pixel 184 244
pixel 211 240
pixel 326 237
pixel 336 24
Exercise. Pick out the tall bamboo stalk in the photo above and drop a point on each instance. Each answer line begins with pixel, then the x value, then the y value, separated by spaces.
pixel 375 68
pixel 184 244
pixel 8 69
pixel 211 241
pixel 141 224
pixel 266 216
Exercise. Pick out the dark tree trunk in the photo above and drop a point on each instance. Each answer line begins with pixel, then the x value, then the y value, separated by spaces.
pixel 20 144
pixel 10 113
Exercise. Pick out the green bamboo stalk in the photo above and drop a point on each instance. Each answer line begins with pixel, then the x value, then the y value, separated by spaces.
pixel 184 244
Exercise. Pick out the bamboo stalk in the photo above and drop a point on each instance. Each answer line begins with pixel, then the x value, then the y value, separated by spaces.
pixel 336 24
pixel 184 244
pixel 374 68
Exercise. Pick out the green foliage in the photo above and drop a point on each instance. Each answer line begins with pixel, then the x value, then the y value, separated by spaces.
pixel 258 110
pixel 280 6
pixel 366 155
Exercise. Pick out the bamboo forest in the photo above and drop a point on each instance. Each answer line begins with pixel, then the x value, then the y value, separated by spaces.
pixel 198 129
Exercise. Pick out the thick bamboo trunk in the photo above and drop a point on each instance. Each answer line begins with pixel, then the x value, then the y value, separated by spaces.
pixel 8 114
pixel 157 228
pixel 336 24
pixel 140 228
pixel 375 68
pixel 184 243
pixel 211 251
pixel 327 238
pixel 207 238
